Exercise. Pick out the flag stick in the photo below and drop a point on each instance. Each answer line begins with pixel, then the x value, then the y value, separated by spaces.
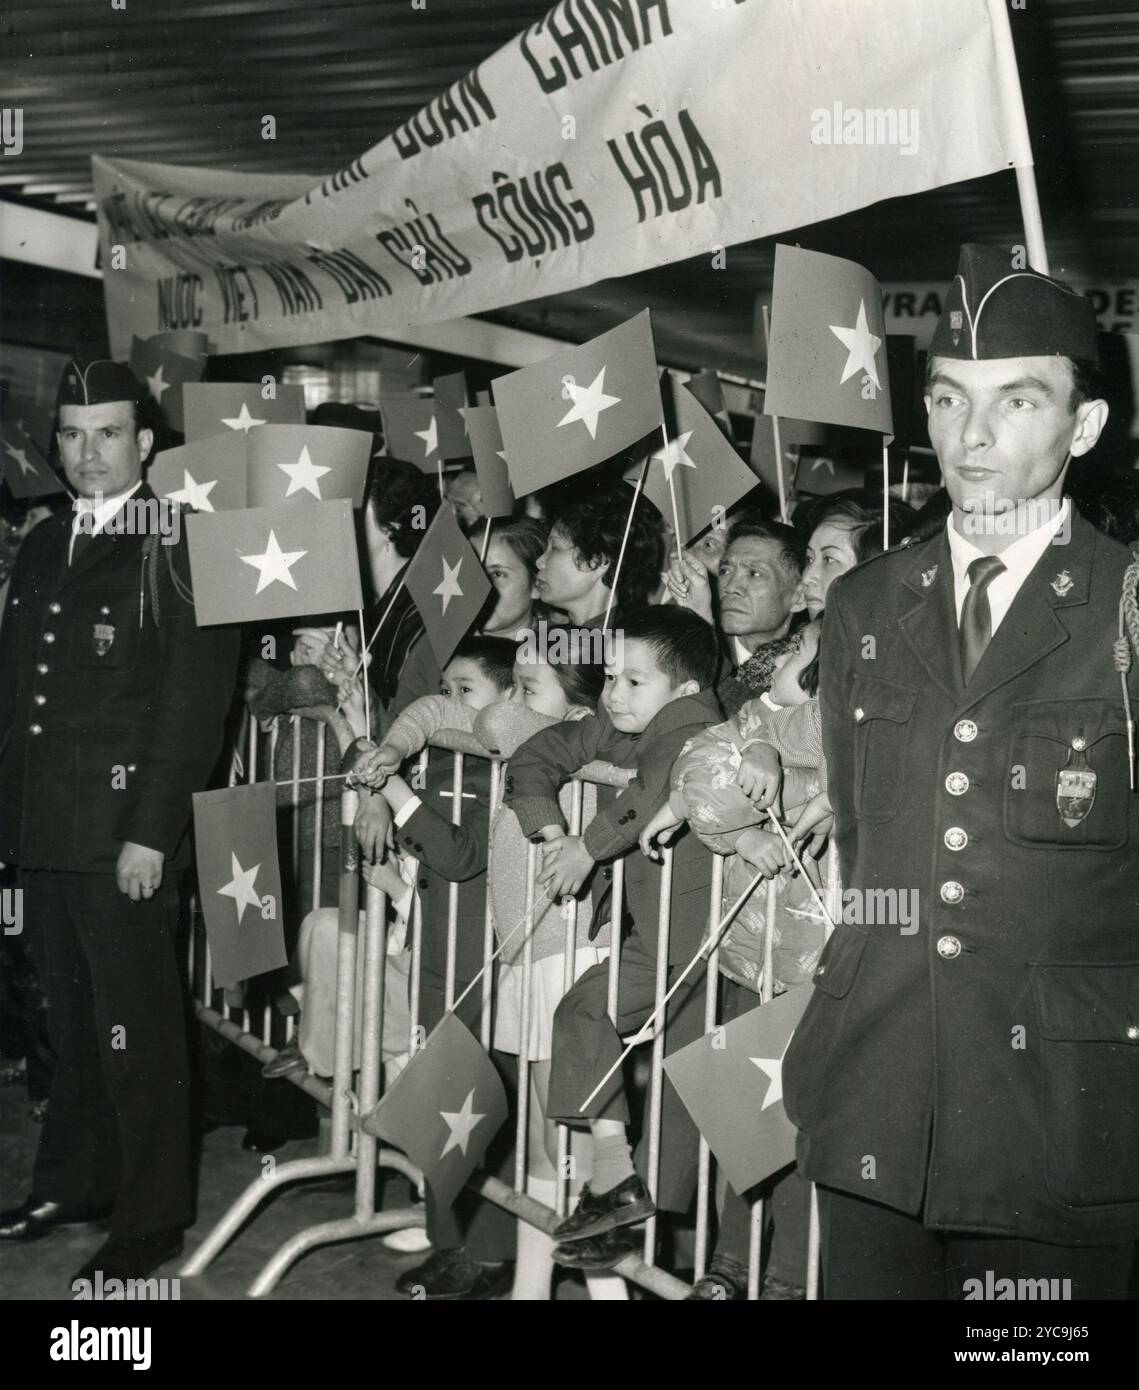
pixel 906 475
pixel 486 540
pixel 783 515
pixel 542 901
pixel 442 490
pixel 367 692
pixel 885 494
pixel 672 497
pixel 1008 84
pixel 625 541
pixel 376 633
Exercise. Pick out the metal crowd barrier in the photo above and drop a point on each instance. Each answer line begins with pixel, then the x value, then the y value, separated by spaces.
pixel 350 1094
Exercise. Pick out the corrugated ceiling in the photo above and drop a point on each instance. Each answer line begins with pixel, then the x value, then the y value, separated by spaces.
pixel 180 81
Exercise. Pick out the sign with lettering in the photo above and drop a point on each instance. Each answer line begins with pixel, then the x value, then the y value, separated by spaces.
pixel 915 307
pixel 609 137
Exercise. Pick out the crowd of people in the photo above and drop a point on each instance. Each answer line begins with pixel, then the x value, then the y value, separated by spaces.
pixel 739 690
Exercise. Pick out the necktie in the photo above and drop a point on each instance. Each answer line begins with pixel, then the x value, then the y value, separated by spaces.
pixel 976 617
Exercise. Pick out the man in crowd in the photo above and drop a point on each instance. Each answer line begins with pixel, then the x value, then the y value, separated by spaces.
pixel 967 1093
pixel 111 714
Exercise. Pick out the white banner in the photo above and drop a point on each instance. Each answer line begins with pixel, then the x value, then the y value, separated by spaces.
pixel 610 137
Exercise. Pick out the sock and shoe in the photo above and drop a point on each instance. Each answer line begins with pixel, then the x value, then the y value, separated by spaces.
pixel 451 1275
pixel 614 1197
pixel 534 1270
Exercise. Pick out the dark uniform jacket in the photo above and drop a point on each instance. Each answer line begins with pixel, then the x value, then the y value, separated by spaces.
pixel 983 1070
pixel 552 756
pixel 109 720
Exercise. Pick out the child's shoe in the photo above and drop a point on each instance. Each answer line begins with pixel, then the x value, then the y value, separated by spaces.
pixel 595 1252
pixel 628 1203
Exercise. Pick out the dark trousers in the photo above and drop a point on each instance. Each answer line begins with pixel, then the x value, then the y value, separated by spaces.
pixel 586 1044
pixel 786 1196
pixel 117 1131
pixel 873 1252
pixel 486 1231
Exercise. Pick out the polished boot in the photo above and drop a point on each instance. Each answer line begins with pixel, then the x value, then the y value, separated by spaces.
pixel 37 1216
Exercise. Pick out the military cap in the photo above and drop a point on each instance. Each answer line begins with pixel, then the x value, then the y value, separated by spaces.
pixel 994 311
pixel 98 383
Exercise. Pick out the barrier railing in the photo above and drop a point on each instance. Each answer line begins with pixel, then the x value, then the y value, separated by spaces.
pixel 353 1090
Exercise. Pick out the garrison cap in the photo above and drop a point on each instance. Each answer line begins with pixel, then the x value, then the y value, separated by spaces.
pixel 98 383
pixel 994 311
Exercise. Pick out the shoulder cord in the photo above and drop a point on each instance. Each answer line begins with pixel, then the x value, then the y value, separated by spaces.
pixel 148 579
pixel 1122 648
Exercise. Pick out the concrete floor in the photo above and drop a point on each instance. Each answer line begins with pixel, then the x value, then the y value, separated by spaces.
pixel 355 1269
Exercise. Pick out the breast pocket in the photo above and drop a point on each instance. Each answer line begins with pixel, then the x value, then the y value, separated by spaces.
pixel 882 714
pixel 104 630
pixel 1067 775
pixel 1089 1025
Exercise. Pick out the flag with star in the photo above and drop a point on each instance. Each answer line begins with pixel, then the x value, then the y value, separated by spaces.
pixel 451 397
pixel 164 373
pixel 445 1107
pixel 273 562
pixel 23 465
pixel 579 407
pixel 186 342
pixel 217 407
pixel 707 476
pixel 307 463
pixel 239 880
pixel 826 357
pixel 824 471
pixel 411 431
pixel 794 435
pixel 447 583
pixel 485 439
pixel 208 476
pixel 731 1083
pixel 708 390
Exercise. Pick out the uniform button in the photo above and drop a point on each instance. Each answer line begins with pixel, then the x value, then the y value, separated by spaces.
pixel 859 715
pixel 54 608
pixel 957 784
pixel 955 838
pixel 104 610
pixel 423 883
pixel 132 767
pixel 1133 1033
pixel 965 731
pixel 35 728
pixel 951 891
pixel 42 668
pixel 49 637
pixel 1079 744
pixel 40 699
pixel 948 947
pixel 820 972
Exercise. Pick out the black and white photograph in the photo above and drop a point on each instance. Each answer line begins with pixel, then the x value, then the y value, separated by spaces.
pixel 569 665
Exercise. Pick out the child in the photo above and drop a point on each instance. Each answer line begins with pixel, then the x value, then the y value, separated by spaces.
pixel 722 783
pixel 657 694
pixel 543 694
pixel 474 1242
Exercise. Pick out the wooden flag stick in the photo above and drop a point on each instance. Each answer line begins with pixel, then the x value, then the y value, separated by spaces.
pixel 885 494
pixel 672 498
pixel 376 632
pixel 486 540
pixel 906 476
pixel 625 541
pixel 783 512
pixel 442 489
pixel 367 692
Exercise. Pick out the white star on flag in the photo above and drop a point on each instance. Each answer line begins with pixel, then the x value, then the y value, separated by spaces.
pixel 773 1068
pixel 460 1123
pixel 240 887
pixel 676 455
pixel 826 463
pixel 193 493
pixel 274 564
pixel 304 474
pixel 243 420
pixel 449 588
pixel 21 457
pixel 588 403
pixel 156 384
pixel 861 345
pixel 430 437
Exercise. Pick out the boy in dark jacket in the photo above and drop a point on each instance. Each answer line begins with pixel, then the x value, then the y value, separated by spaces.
pixel 657 695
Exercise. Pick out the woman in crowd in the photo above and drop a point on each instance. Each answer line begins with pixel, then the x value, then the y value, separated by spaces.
pixel 516 545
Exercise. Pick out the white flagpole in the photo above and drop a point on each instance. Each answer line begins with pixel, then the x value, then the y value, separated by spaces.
pixel 1008 82
pixel 625 541
pixel 885 494
pixel 672 498
pixel 486 540
pixel 783 513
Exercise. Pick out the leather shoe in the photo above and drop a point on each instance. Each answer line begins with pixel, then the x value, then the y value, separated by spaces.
pixel 449 1275
pixel 259 1141
pixel 132 1257
pixel 595 1253
pixel 287 1060
pixel 37 1216
pixel 625 1205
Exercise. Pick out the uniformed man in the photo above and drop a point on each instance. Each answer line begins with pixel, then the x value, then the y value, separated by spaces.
pixel 112 704
pixel 967 1094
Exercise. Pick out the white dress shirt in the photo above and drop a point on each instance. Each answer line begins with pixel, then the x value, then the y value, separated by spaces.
pixel 101 510
pixel 1019 559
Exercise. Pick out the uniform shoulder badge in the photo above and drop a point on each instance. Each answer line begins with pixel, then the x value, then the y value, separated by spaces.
pixel 928 576
pixel 1062 584
pixel 102 636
